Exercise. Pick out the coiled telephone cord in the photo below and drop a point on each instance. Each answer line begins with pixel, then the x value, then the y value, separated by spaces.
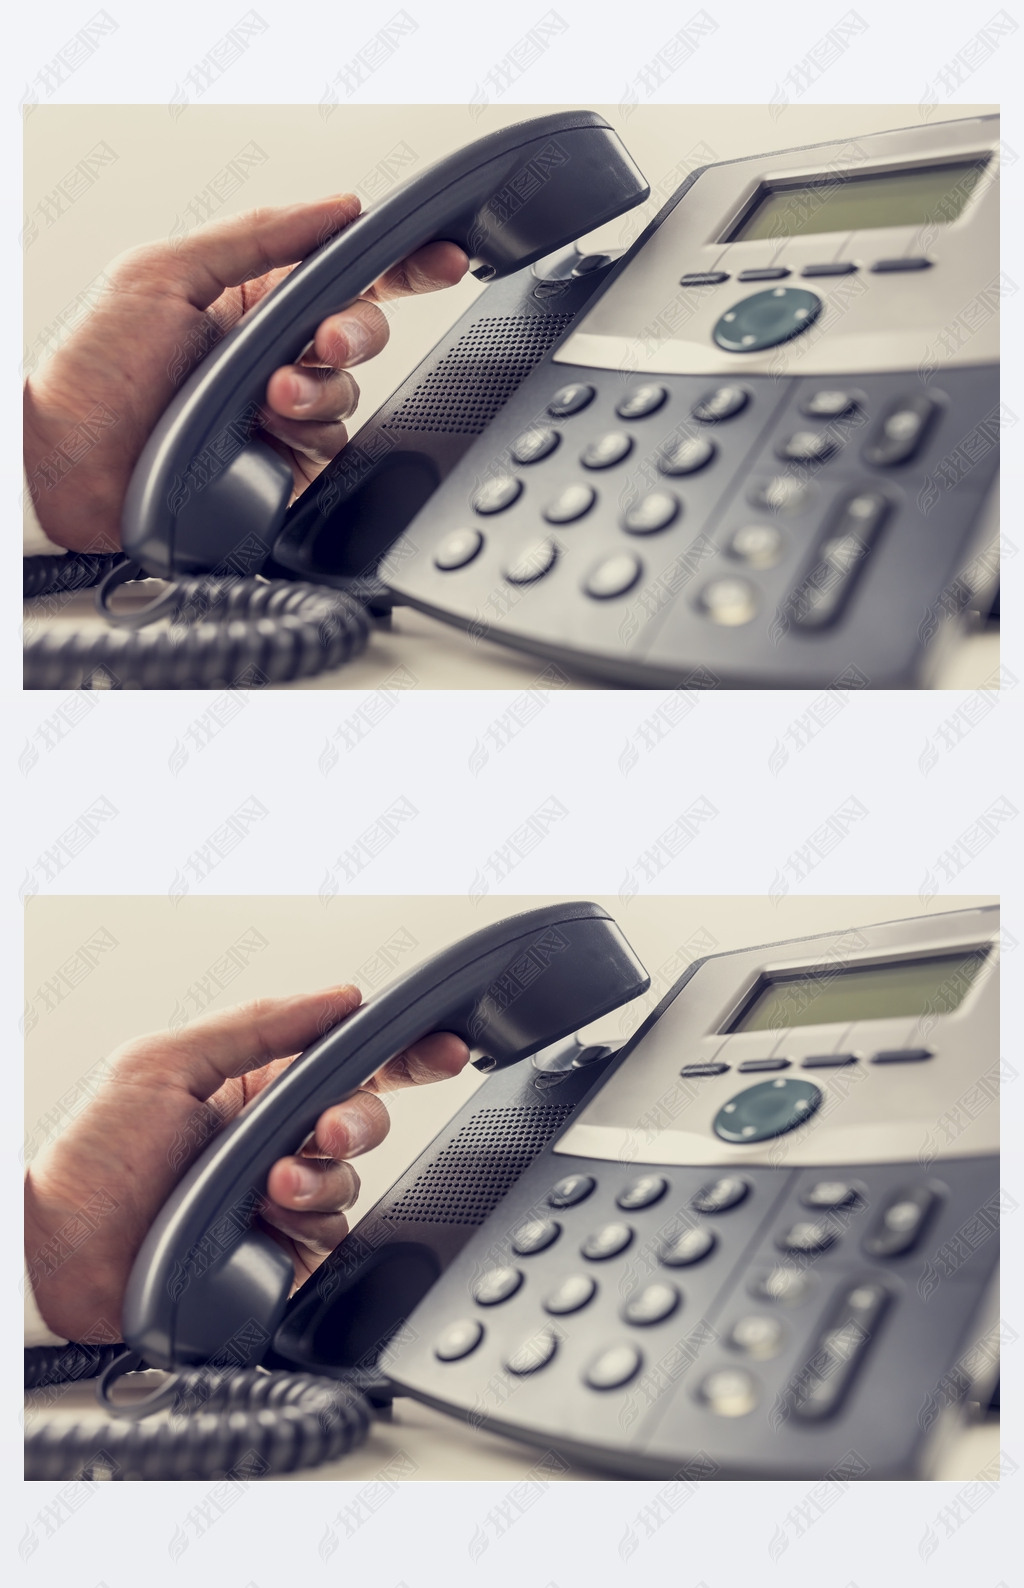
pixel 223 632
pixel 238 1423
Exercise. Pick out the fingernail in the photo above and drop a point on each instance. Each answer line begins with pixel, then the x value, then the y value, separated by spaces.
pixel 305 1181
pixel 306 390
pixel 357 339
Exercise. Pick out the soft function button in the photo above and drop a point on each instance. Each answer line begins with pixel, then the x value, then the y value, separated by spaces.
pixel 535 1236
pixel 654 1303
pixel 828 1061
pixel 827 1194
pixel 837 1354
pixel 781 494
pixel 572 1188
pixel 900 1224
pixel 890 267
pixel 720 1195
pixel 757 1336
pixel 751 1066
pixel 608 1241
pixel 643 1192
pixel 687 456
pixel 758 545
pixel 722 403
pixel 607 450
pixel 532 563
pixel 534 444
pixel 654 512
pixel 615 1366
pixel 901 432
pixel 808 1237
pixel 641 401
pixel 769 1109
pixel 809 446
pixel 827 404
pixel 766 319
pixel 570 399
pixel 902 1056
pixel 766 273
pixel 497 494
pixel 573 1293
pixel 786 1285
pixel 692 1246
pixel 695 1071
pixel 498 1284
pixel 458 1339
pixel 613 576
pixel 533 1354
pixel 457 549
pixel 821 596
pixel 730 602
pixel 834 267
pixel 729 1392
pixel 703 278
pixel 570 504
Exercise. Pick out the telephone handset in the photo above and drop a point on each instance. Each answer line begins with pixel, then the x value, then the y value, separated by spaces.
pixel 203 490
pixel 203 1273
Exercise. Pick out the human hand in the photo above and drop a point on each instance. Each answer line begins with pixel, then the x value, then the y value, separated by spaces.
pixel 90 409
pixel 164 1096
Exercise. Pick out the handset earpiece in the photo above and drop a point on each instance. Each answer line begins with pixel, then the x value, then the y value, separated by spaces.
pixel 206 1283
pixel 205 494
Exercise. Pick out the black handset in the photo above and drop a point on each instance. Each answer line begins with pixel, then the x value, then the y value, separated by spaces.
pixel 203 490
pixel 203 1273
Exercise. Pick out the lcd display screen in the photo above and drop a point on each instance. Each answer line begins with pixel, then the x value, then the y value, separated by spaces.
pixel 910 987
pixel 918 196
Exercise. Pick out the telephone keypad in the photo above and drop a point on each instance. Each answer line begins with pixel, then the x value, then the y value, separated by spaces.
pixel 535 1236
pixel 608 1241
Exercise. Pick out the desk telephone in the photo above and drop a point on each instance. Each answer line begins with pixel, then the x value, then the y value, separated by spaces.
pixel 759 1236
pixel 758 448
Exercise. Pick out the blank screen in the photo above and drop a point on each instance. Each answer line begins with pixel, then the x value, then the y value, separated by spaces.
pixel 915 197
pixel 910 987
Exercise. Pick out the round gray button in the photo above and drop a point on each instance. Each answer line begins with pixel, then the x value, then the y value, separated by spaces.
pixel 570 399
pixel 657 510
pixel 642 1193
pixel 691 454
pixel 606 1242
pixel 729 602
pixel 829 405
pixel 533 1353
pixel 769 1109
pixel 533 563
pixel 535 444
pixel 650 1305
pixel 757 1336
pixel 458 548
pixel 613 577
pixel 497 494
pixel 641 401
pixel 718 1196
pixel 781 494
pixel 607 450
pixel 788 1285
pixel 459 1339
pixel 614 1367
pixel 758 545
pixel 498 1284
pixel 572 1188
pixel 721 404
pixel 808 1237
pixel 830 1194
pixel 766 318
pixel 570 504
pixel 689 1247
pixel 809 446
pixel 572 1294
pixel 730 1392
pixel 535 1236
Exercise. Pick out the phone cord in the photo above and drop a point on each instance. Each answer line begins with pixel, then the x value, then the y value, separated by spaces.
pixel 224 632
pixel 234 1423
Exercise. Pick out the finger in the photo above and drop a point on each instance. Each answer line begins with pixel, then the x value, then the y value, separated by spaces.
pixel 318 443
pixel 309 393
pixel 313 1185
pixel 226 253
pixel 318 1232
pixel 202 1056
pixel 434 1058
pixel 352 336
pixel 351 1127
pixel 427 270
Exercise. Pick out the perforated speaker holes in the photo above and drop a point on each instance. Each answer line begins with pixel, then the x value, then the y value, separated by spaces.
pixel 469 1177
pixel 477 376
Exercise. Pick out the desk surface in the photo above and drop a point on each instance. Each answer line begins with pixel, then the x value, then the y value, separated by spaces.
pixel 442 657
pixel 418 1443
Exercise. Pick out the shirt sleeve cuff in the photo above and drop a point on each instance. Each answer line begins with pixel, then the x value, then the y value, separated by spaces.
pixel 36 1331
pixel 35 541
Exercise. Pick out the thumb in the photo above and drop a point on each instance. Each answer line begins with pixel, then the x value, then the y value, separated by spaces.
pixel 226 253
pixel 210 1051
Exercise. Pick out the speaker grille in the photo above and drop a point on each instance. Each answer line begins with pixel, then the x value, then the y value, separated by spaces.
pixel 469 1177
pixel 475 377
